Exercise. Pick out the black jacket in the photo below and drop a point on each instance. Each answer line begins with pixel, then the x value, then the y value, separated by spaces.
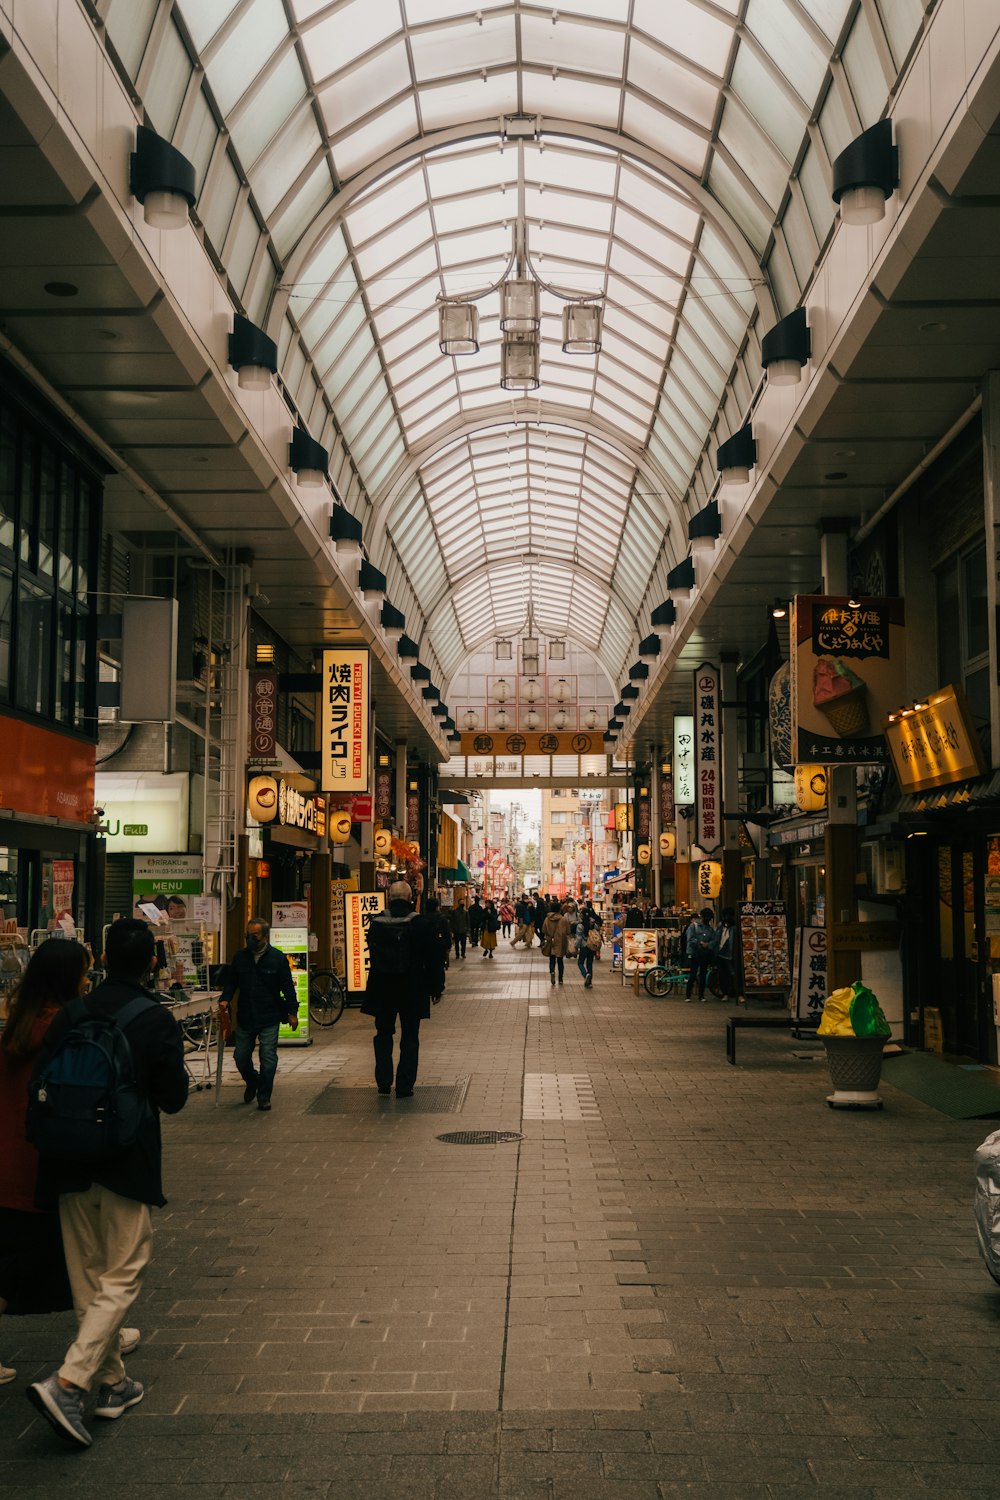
pixel 477 915
pixel 411 992
pixel 266 986
pixel 158 1054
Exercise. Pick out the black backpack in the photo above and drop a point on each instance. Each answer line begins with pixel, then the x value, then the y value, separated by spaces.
pixel 393 950
pixel 83 1102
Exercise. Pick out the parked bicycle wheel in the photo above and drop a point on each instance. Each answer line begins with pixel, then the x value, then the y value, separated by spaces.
pixel 659 981
pixel 326 997
pixel 713 981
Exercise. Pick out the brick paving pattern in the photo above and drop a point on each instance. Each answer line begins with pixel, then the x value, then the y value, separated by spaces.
pixel 686 1279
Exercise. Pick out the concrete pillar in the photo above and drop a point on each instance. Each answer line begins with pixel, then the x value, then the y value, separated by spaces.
pixel 991 495
pixel 400 797
pixel 732 862
pixel 319 914
pixel 654 827
pixel 841 840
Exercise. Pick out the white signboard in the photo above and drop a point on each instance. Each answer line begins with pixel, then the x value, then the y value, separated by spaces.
pixel 144 812
pixel 359 908
pixel 707 758
pixel 290 914
pixel 809 973
pixel 683 766
pixel 345 711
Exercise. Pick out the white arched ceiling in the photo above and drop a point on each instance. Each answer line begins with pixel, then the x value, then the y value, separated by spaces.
pixel 368 133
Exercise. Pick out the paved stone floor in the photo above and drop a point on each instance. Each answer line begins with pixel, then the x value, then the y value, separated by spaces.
pixel 687 1279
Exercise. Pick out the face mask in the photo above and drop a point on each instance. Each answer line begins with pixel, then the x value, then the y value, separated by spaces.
pixel 254 940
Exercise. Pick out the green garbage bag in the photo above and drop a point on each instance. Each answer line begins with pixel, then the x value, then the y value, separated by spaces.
pixel 853 1011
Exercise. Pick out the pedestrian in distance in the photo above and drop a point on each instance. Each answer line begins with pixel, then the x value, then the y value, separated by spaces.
pixel 555 942
pixel 538 914
pixel 589 939
pixel 699 947
pixel 506 916
pixel 725 952
pixel 109 1062
pixel 441 928
pixel 261 977
pixel 524 930
pixel 476 915
pixel 460 927
pixel 491 926
pixel 406 969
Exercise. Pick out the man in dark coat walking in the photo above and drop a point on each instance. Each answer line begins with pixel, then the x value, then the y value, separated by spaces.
pixel 407 968
pixel 267 1000
pixel 476 918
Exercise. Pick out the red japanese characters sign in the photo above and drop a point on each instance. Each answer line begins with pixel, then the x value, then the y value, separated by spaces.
pixel 707 758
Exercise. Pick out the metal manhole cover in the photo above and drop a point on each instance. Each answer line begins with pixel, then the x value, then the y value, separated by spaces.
pixel 480 1137
pixel 427 1099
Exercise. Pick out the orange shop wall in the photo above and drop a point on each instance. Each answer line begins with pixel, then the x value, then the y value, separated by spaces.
pixel 45 773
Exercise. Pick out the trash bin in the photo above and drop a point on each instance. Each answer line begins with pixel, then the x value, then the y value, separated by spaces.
pixel 855 1064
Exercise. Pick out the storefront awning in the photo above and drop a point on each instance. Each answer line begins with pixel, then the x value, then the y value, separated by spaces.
pixel 454 873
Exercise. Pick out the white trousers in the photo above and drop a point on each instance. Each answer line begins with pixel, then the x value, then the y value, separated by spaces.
pixel 108 1241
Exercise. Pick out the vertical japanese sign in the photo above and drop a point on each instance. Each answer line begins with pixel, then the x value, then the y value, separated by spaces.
pixel 413 815
pixel 668 812
pixel 383 795
pixel 809 973
pixel 263 714
pixel 707 758
pixel 683 760
pixel 359 909
pixel 345 711
pixel 642 819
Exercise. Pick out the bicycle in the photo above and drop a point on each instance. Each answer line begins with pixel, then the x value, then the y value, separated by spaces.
pixel 327 997
pixel 665 979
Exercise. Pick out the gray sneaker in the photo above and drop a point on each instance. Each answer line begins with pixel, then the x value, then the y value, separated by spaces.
pixel 64 1409
pixel 114 1400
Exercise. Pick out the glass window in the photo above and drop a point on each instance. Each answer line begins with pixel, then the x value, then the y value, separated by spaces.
pixel 6 620
pixel 34 649
pixel 864 71
pixel 129 23
pixel 167 82
pixel 67 518
pixel 8 480
pixel 66 664
pixel 901 20
pixel 975 604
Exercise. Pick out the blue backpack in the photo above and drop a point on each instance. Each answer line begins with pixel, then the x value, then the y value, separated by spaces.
pixel 83 1102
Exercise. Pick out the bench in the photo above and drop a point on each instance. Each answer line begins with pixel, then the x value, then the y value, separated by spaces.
pixel 772 1023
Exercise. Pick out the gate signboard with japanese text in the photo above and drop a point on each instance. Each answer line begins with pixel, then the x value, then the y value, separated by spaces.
pixel 344 716
pixel 707 758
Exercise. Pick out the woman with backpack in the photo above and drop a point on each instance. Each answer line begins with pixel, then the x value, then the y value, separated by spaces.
pixel 589 941
pixel 33 1275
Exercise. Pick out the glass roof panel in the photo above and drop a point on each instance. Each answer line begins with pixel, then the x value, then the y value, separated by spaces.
pixel 718 89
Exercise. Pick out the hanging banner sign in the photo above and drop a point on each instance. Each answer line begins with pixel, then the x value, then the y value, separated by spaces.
pixel 848 674
pixel 707 758
pixel 809 989
pixel 344 715
pixel 566 743
pixel 683 760
pixel 383 795
pixel 642 817
pixel 413 815
pixel 263 714
pixel 668 811
pixel 359 909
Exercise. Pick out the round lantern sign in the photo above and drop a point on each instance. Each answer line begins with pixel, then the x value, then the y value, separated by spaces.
pixel 383 841
pixel 340 827
pixel 262 799
pixel 643 854
pixel 668 845
pixel 709 879
pixel 810 787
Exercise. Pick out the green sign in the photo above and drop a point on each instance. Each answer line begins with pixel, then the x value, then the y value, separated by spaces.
pixel 135 830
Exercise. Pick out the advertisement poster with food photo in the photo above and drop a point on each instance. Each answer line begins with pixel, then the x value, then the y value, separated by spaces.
pixel 848 673
pixel 640 945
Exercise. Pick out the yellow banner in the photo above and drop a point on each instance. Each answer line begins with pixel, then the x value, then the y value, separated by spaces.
pixel 936 743
pixel 569 742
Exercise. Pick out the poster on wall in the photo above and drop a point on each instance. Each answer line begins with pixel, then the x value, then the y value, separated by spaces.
pixel 289 914
pixel 344 716
pixel 169 882
pixel 764 945
pixel 639 949
pixel 338 926
pixel 293 942
pixel 848 674
pixel 359 909
pixel 62 894
pixel 707 758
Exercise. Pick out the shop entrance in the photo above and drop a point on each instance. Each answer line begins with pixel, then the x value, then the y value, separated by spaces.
pixel 967 951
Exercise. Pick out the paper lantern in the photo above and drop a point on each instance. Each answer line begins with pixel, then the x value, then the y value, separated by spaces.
pixel 383 841
pixel 643 854
pixel 810 787
pixel 709 879
pixel 340 827
pixel 668 845
pixel 262 799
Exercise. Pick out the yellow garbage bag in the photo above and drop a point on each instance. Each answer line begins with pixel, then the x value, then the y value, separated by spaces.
pixel 836 1019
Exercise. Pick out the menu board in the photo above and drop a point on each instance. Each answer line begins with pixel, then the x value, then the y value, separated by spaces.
pixel 293 942
pixel 764 945
pixel 640 949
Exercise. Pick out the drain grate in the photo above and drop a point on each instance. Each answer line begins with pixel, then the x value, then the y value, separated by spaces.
pixel 480 1137
pixel 427 1099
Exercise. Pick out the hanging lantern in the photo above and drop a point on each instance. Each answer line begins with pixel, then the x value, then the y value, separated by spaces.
pixel 531 690
pixel 591 719
pixel 531 719
pixel 340 827
pixel 262 799
pixel 503 719
pixel 644 854
pixel 501 690
pixel 383 841
pixel 562 692
pixel 709 879
pixel 668 844
pixel 471 720
pixel 561 718
pixel 810 787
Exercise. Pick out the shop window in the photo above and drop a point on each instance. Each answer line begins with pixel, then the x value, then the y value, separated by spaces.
pixel 34 648
pixel 963 628
pixel 8 491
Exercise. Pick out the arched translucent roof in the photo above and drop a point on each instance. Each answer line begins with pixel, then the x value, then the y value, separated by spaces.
pixel 350 169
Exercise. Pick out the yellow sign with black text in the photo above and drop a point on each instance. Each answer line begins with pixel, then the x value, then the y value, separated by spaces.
pixel 569 742
pixel 936 743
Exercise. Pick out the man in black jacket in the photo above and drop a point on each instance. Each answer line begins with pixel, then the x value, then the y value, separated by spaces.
pixel 407 968
pixel 104 1205
pixel 476 916
pixel 267 1001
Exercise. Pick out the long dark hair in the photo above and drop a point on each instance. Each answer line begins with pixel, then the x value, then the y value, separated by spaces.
pixel 52 978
